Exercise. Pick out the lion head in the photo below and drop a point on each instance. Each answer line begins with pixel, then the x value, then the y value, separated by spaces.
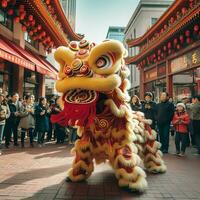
pixel 90 73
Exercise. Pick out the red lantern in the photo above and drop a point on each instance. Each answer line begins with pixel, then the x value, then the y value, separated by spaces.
pixel 187 33
pixel 39 27
pixel 16 19
pixel 159 51
pixel 181 38
pixel 35 30
pixel 158 58
pixel 175 41
pixel 24 28
pixel 169 45
pixel 30 17
pixel 169 51
pixel 188 40
pixel 4 3
pixel 164 48
pixel 43 34
pixel 196 28
pixel 183 10
pixel 10 12
pixel 22 15
pixel 178 46
pixel 30 33
pixel 47 2
pixel 172 20
pixel 33 23
pixel 165 26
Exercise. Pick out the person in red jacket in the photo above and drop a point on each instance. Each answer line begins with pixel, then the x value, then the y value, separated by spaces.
pixel 180 121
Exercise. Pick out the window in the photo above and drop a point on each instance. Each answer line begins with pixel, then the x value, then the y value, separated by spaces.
pixel 153 21
pixel 6 20
pixel 30 41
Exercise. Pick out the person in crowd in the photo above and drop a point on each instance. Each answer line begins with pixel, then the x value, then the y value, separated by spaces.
pixel 180 122
pixel 42 120
pixel 4 114
pixel 187 103
pixel 135 103
pixel 13 121
pixel 171 100
pixel 195 115
pixel 164 115
pixel 27 120
pixel 59 130
pixel 51 109
pixel 149 108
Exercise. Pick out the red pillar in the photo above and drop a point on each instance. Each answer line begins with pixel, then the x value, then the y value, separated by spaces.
pixel 41 87
pixel 18 82
pixel 169 80
pixel 141 86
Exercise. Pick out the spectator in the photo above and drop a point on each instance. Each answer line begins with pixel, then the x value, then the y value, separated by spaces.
pixel 164 115
pixel 59 130
pixel 51 108
pixel 42 120
pixel 181 121
pixel 13 121
pixel 135 103
pixel 187 102
pixel 149 108
pixel 27 121
pixel 4 114
pixel 195 114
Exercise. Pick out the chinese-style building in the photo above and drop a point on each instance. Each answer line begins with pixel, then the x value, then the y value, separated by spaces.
pixel 29 30
pixel 169 52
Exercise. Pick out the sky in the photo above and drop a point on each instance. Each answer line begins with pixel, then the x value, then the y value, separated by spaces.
pixel 93 17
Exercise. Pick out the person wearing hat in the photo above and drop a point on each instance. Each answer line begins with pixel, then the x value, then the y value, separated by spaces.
pixel 149 108
pixel 180 122
pixel 4 114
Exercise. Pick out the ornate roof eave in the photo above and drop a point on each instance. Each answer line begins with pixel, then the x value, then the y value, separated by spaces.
pixel 161 20
pixel 50 22
pixel 175 27
pixel 66 23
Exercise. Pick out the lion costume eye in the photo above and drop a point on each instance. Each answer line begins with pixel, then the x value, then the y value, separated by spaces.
pixel 105 61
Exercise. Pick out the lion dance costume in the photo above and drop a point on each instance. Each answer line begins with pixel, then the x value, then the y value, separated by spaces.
pixel 93 81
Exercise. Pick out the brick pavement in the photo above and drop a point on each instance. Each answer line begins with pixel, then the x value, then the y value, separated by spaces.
pixel 39 173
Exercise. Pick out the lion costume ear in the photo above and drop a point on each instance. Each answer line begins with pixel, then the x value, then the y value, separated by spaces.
pixel 106 57
pixel 64 56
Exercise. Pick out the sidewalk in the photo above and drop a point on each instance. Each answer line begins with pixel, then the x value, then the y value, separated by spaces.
pixel 39 173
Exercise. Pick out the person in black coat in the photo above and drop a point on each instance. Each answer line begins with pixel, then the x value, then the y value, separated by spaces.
pixel 59 130
pixel 135 103
pixel 164 115
pixel 13 121
pixel 149 108
pixel 42 119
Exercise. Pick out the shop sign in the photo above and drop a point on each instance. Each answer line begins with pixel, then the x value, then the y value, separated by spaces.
pixel 19 61
pixel 150 75
pixel 185 61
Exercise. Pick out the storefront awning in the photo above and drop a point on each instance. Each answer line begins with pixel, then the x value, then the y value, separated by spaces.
pixel 10 54
pixel 25 58
pixel 44 67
